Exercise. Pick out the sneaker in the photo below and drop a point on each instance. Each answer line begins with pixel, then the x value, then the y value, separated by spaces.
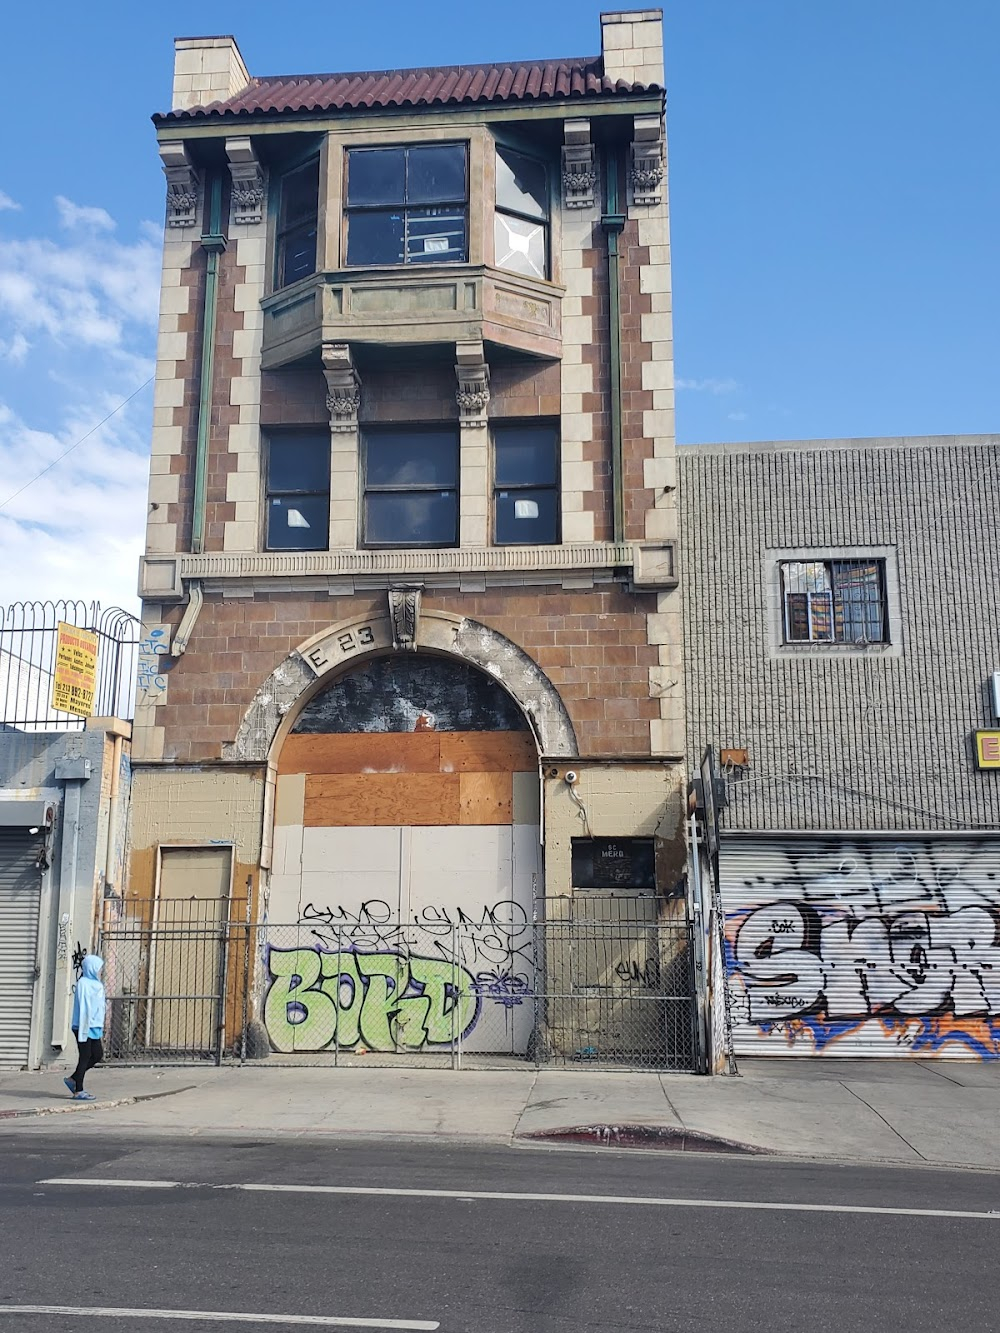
pixel 84 1097
pixel 71 1085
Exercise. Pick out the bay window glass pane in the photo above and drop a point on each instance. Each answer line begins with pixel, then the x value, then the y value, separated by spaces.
pixel 520 246
pixel 435 174
pixel 412 458
pixel 435 235
pixel 526 517
pixel 297 463
pixel 417 518
pixel 298 254
pixel 522 186
pixel 298 523
pixel 525 456
pixel 376 176
pixel 300 193
pixel 375 238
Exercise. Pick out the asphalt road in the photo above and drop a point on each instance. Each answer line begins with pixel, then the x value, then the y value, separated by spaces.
pixel 587 1257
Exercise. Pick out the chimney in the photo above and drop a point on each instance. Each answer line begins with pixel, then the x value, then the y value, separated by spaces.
pixel 632 46
pixel 206 70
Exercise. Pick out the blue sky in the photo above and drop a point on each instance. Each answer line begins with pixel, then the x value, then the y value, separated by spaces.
pixel 835 191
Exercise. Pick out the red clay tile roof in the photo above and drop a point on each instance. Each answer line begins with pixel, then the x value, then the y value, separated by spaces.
pixel 525 81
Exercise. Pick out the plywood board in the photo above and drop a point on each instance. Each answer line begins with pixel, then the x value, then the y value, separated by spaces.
pixel 487 752
pixel 367 752
pixel 338 800
pixel 486 798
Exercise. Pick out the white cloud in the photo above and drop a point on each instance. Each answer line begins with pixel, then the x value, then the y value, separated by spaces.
pixel 78 314
pixel 736 416
pixel 7 202
pixel 91 289
pixel 709 385
pixel 79 215
pixel 76 531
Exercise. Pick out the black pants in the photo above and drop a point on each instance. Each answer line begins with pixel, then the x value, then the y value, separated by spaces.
pixel 91 1053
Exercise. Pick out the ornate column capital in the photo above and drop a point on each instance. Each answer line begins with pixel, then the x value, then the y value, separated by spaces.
pixel 248 192
pixel 183 180
pixel 579 166
pixel 343 386
pixel 648 160
pixel 473 393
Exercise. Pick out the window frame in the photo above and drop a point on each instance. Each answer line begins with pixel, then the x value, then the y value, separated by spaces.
pixel 270 438
pixel 283 229
pixel 777 643
pixel 512 426
pixel 369 432
pixel 550 212
pixel 348 209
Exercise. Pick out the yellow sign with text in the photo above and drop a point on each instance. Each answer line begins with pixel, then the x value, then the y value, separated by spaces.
pixel 75 676
pixel 988 749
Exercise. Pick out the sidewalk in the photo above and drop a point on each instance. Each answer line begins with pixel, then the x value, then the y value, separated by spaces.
pixel 941 1113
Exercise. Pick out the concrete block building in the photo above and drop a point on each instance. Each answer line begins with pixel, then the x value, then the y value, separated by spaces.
pixel 841 649
pixel 412 543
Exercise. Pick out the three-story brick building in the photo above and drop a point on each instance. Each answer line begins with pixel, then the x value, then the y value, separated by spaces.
pixel 410 606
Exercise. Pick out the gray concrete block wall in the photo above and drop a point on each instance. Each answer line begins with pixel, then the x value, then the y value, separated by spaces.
pixel 880 738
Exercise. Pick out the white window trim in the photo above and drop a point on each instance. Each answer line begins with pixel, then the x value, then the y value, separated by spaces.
pixel 775 609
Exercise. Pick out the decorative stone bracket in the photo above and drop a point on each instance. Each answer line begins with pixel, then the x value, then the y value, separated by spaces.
pixel 183 181
pixel 579 166
pixel 648 160
pixel 473 393
pixel 247 201
pixel 343 385
pixel 404 616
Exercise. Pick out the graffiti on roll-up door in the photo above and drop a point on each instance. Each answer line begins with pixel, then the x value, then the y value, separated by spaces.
pixel 899 940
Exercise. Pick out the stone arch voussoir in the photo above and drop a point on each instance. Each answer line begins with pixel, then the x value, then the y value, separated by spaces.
pixel 311 666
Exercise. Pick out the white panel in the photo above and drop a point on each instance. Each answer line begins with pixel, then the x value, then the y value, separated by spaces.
pixel 283 902
pixel 357 850
pixel 286 852
pixel 869 946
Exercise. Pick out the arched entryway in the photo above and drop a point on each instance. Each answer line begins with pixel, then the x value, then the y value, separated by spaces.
pixel 406 863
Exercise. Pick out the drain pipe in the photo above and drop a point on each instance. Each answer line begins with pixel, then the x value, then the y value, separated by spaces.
pixel 213 243
pixel 613 224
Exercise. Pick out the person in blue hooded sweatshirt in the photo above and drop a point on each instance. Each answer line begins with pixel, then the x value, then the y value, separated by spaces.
pixel 89 1004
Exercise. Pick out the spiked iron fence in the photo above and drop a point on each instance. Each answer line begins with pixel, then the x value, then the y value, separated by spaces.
pixel 28 634
pixel 197 980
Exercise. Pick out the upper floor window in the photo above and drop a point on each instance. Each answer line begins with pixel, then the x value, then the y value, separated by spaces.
pixel 521 227
pixel 834 601
pixel 411 487
pixel 408 205
pixel 298 491
pixel 298 220
pixel 525 485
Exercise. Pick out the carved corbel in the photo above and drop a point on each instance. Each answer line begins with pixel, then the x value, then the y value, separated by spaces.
pixel 473 393
pixel 579 166
pixel 247 198
pixel 182 185
pixel 343 387
pixel 404 616
pixel 648 160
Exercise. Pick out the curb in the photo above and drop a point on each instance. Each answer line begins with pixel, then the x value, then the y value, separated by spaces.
pixel 93 1106
pixel 668 1137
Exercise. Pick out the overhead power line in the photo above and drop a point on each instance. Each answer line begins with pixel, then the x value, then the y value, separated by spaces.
pixel 67 452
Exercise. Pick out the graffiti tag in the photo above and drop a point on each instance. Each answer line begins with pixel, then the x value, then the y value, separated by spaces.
pixel 386 1001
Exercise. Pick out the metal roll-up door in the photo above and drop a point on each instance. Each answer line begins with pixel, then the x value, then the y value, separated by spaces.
pixel 854 946
pixel 20 897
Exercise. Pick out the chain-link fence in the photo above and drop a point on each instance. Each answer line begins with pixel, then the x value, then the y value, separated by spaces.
pixel 607 985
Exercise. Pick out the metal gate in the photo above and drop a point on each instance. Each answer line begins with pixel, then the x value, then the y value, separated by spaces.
pixel 863 945
pixel 20 899
pixel 608 985
pixel 165 972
